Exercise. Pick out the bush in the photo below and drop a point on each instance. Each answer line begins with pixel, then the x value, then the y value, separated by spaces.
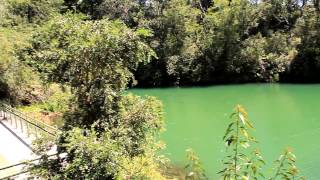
pixel 126 151
pixel 20 12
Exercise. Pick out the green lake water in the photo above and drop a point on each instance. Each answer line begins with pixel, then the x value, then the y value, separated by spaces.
pixel 283 115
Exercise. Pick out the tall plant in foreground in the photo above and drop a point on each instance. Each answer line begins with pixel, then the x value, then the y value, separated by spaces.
pixel 244 161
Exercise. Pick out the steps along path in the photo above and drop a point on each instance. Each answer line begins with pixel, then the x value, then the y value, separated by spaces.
pixel 17 132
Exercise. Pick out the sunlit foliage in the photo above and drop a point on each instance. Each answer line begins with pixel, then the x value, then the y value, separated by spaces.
pixel 95 58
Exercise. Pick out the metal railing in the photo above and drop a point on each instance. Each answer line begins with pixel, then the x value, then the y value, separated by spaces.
pixel 22 166
pixel 28 126
pixel 25 123
pixel 14 172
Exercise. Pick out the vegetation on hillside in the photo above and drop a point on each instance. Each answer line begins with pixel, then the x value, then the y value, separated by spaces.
pixel 19 18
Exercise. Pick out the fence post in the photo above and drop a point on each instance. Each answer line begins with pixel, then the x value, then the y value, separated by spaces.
pixel 9 114
pixel 27 128
pixel 15 121
pixel 21 124
pixel 1 109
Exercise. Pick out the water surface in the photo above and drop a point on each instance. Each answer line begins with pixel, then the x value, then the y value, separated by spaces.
pixel 283 116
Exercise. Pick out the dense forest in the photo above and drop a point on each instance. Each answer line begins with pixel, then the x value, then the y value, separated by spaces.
pixel 193 42
pixel 77 58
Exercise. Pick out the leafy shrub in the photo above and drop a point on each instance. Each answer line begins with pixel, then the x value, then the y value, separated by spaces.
pixel 20 12
pixel 126 151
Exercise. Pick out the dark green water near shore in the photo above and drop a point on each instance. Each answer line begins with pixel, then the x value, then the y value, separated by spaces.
pixel 283 115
